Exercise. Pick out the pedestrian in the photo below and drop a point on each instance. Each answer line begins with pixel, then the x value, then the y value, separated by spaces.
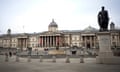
pixel 10 54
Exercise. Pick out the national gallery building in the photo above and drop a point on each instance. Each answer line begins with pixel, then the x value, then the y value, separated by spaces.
pixel 53 38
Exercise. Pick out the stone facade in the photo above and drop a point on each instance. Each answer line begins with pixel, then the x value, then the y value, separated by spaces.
pixel 86 38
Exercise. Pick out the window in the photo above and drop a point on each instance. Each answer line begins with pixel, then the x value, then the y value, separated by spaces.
pixel 13 40
pixel 75 38
pixel 33 39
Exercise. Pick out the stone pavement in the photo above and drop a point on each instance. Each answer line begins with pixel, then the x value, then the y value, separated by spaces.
pixel 60 66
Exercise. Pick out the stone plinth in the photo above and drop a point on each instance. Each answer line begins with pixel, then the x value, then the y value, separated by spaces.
pixel 29 59
pixel 41 59
pixel 54 59
pixel 17 58
pixel 105 55
pixel 67 59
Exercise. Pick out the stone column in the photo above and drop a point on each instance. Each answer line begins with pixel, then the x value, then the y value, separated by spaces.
pixel 56 40
pixel 85 42
pixel 18 43
pixel 117 40
pixel 53 41
pixel 42 41
pixel 47 41
pixel 82 41
pixel 23 42
pixel 91 41
pixel 26 42
pixel 60 41
pixel 50 41
pixel 94 41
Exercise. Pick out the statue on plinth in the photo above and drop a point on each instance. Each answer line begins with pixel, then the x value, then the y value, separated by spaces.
pixel 103 19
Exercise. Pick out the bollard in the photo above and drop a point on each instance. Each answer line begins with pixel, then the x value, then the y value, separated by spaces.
pixel 29 59
pixel 41 60
pixel 81 59
pixel 67 59
pixel 6 58
pixel 54 58
pixel 17 58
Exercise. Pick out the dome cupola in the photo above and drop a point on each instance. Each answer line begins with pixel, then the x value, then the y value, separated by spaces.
pixel 53 26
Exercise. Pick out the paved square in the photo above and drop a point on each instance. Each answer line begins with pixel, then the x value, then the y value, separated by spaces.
pixel 59 66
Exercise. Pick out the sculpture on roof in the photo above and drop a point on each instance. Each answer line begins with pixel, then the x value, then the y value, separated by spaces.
pixel 103 19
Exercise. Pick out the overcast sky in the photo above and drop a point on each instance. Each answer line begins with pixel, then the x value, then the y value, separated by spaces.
pixel 35 15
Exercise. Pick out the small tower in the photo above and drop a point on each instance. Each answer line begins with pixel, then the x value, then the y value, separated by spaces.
pixel 53 27
pixel 9 31
pixel 112 26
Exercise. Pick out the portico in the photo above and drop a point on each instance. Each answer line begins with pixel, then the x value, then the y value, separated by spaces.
pixel 50 41
pixel 88 40
pixel 22 42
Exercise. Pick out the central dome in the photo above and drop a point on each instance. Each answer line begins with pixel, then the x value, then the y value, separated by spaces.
pixel 53 24
pixel 90 29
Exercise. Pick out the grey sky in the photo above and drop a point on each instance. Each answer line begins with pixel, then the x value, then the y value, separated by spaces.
pixel 35 15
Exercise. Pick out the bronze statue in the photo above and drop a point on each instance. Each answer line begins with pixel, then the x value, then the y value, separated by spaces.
pixel 103 19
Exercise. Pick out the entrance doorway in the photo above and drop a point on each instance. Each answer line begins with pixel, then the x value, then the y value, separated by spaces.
pixel 74 50
pixel 88 45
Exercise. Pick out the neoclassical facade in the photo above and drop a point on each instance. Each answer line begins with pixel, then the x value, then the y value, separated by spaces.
pixel 53 38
